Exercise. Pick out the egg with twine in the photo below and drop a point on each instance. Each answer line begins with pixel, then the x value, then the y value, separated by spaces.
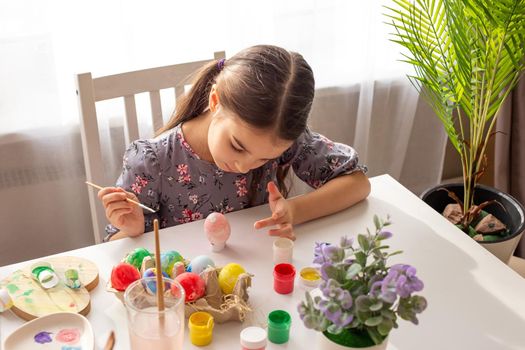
pixel 122 275
pixel 217 230
pixel 228 277
pixel 194 286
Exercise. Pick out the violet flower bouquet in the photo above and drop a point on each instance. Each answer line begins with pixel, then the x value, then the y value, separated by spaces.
pixel 361 296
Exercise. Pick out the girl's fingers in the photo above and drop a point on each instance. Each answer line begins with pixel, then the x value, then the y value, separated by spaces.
pixel 274 191
pixel 118 216
pixel 285 231
pixel 120 205
pixel 264 223
pixel 113 197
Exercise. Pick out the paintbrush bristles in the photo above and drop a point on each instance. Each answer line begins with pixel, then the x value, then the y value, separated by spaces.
pixel 128 199
pixel 158 266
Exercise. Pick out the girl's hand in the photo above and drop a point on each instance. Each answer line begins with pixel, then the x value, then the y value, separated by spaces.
pixel 282 215
pixel 127 217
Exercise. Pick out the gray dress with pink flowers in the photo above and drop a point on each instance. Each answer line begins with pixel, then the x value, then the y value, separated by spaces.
pixel 168 176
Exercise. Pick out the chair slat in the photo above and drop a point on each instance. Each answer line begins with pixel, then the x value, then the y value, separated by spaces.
pixel 156 110
pixel 131 127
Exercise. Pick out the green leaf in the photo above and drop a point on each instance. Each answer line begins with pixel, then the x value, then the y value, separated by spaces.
pixel 363 242
pixel 353 270
pixel 376 306
pixel 385 327
pixel 374 321
pixel 377 223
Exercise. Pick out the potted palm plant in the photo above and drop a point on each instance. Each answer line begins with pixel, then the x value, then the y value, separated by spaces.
pixel 467 56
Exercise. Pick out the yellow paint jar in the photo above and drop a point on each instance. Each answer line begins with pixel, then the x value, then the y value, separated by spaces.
pixel 201 328
pixel 310 277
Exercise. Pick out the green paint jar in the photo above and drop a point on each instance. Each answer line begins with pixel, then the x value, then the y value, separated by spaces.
pixel 279 322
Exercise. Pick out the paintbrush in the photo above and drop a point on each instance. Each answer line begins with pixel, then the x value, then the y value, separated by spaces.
pixel 110 343
pixel 158 266
pixel 128 199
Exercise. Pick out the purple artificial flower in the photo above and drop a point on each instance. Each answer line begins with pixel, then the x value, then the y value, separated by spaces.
pixel 384 234
pixel 401 280
pixel 319 257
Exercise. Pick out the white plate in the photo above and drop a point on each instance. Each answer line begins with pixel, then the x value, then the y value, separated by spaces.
pixel 63 330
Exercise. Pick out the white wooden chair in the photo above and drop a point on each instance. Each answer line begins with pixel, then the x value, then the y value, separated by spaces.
pixel 126 85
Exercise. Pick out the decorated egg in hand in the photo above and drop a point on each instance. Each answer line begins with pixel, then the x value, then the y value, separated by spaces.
pixel 217 230
pixel 151 286
pixel 194 286
pixel 123 275
pixel 136 256
pixel 199 264
pixel 168 259
pixel 228 277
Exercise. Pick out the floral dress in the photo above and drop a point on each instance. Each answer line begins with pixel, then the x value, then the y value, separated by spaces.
pixel 169 177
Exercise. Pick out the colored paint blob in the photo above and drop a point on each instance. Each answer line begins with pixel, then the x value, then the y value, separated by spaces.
pixel 68 336
pixel 310 274
pixel 43 337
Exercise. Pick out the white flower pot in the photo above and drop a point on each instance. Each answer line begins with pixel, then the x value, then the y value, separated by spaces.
pixel 323 343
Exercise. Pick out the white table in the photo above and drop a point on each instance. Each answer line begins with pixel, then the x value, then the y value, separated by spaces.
pixel 475 301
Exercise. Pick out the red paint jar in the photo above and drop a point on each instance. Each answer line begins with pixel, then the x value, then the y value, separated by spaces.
pixel 283 278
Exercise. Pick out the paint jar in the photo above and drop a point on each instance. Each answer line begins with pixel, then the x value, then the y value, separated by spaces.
pixel 200 325
pixel 310 277
pixel 279 322
pixel 282 250
pixel 149 327
pixel 283 278
pixel 44 274
pixel 253 338
pixel 72 280
pixel 5 300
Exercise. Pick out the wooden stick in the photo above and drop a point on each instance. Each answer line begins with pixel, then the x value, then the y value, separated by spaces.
pixel 158 267
pixel 110 343
pixel 128 199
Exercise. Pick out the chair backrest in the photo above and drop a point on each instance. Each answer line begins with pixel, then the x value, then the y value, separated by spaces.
pixel 126 85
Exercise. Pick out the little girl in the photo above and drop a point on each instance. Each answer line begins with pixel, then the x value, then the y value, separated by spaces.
pixel 229 145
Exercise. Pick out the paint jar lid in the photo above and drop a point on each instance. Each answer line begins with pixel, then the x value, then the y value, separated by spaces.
pixel 310 277
pixel 253 338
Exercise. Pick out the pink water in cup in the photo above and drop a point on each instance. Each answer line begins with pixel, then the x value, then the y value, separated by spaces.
pixel 283 278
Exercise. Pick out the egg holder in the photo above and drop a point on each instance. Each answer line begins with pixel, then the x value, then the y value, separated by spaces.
pixel 223 307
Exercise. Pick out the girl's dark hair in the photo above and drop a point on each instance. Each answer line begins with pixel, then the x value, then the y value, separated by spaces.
pixel 266 86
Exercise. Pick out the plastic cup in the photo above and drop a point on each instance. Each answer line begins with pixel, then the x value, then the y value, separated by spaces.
pixel 148 327
pixel 283 278
pixel 200 325
pixel 282 250
pixel 279 322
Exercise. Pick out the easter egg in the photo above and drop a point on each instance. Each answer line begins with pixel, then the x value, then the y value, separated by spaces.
pixel 217 229
pixel 194 286
pixel 228 277
pixel 178 268
pixel 152 285
pixel 136 256
pixel 123 275
pixel 168 259
pixel 199 264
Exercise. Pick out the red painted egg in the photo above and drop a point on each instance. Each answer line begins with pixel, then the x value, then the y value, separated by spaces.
pixel 123 275
pixel 194 286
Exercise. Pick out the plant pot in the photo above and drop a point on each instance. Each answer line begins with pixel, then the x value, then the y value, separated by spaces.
pixel 512 216
pixel 323 343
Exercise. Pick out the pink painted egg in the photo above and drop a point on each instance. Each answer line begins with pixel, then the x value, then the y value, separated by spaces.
pixel 217 229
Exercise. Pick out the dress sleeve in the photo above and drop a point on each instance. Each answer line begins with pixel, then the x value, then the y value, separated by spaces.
pixel 316 160
pixel 141 176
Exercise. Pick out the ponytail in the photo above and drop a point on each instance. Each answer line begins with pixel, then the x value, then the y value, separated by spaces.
pixel 195 102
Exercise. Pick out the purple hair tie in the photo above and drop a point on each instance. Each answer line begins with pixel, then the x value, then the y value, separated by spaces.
pixel 220 64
